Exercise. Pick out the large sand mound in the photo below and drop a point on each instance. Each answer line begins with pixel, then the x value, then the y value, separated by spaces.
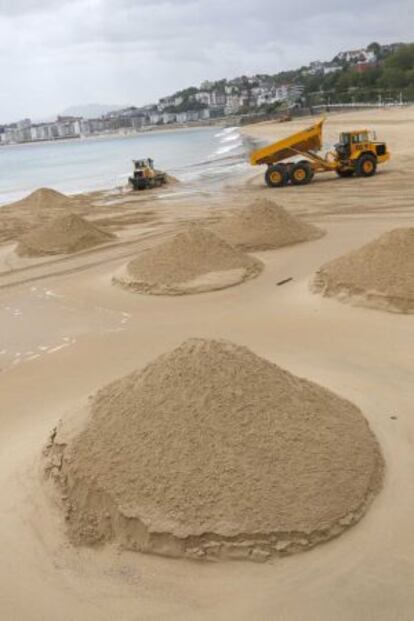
pixel 193 261
pixel 213 452
pixel 64 234
pixel 379 275
pixel 263 225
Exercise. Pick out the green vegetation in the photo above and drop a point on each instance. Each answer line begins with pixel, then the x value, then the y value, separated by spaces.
pixel 387 75
pixel 185 106
pixel 390 77
pixel 270 108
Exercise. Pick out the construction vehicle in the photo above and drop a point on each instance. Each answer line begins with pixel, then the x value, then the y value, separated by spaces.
pixel 145 176
pixel 357 153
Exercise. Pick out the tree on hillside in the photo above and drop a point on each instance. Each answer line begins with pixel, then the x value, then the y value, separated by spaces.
pixel 402 59
pixel 186 92
pixel 375 48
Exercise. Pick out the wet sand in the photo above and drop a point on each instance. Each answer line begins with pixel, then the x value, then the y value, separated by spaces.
pixel 93 333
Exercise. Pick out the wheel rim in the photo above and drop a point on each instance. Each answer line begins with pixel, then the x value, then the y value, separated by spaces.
pixel 275 176
pixel 368 166
pixel 300 174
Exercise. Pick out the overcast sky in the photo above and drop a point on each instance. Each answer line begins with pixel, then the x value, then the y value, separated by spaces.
pixel 57 53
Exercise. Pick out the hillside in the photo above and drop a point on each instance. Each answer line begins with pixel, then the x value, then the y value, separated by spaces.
pixel 375 73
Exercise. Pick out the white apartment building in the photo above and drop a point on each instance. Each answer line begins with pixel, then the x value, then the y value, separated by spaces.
pixel 203 97
pixel 295 91
pixel 331 69
pixel 155 118
pixel 166 102
pixel 361 55
pixel 218 99
pixel 23 124
pixel 233 104
pixel 168 117
pixel 282 92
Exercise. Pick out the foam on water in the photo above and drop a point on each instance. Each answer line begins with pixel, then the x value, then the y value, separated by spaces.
pixel 225 131
pixel 229 148
pixel 227 157
pixel 231 137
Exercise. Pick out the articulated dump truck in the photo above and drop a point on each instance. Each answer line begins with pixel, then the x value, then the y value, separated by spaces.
pixel 357 153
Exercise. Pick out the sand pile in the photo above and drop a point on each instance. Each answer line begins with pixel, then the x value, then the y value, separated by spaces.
pixel 64 234
pixel 39 207
pixel 193 261
pixel 44 198
pixel 263 225
pixel 379 275
pixel 213 452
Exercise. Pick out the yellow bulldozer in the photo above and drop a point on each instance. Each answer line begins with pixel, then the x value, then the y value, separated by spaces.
pixel 145 176
pixel 357 153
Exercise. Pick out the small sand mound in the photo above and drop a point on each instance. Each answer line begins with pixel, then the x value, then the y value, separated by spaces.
pixel 45 198
pixel 39 207
pixel 263 225
pixel 378 275
pixel 62 235
pixel 193 261
pixel 213 452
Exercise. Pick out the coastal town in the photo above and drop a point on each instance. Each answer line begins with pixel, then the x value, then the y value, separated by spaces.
pixel 225 99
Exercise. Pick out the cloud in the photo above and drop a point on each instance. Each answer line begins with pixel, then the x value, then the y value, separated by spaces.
pixel 21 7
pixel 55 53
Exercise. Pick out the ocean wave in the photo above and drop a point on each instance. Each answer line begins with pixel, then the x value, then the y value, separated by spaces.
pixel 228 148
pixel 228 155
pixel 215 172
pixel 231 137
pixel 225 132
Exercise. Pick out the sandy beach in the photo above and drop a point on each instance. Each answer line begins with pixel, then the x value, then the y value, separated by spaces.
pixel 67 331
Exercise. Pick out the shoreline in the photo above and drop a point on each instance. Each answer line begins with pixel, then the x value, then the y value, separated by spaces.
pixel 223 122
pixel 120 134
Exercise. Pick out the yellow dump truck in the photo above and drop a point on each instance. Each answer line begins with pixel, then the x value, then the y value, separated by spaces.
pixel 357 153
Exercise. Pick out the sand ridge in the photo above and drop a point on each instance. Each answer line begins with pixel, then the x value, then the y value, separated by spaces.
pixel 193 261
pixel 264 225
pixel 64 234
pixel 378 275
pixel 213 452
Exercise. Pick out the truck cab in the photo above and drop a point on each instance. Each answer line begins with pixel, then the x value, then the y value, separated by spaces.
pixel 352 144
pixel 144 168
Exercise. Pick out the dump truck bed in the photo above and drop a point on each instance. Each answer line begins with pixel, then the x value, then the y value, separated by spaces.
pixel 306 140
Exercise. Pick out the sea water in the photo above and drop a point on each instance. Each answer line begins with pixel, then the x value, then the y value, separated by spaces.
pixel 197 156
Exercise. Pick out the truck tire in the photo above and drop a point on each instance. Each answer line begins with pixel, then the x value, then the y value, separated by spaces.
pixel 276 176
pixel 301 173
pixel 312 172
pixel 366 165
